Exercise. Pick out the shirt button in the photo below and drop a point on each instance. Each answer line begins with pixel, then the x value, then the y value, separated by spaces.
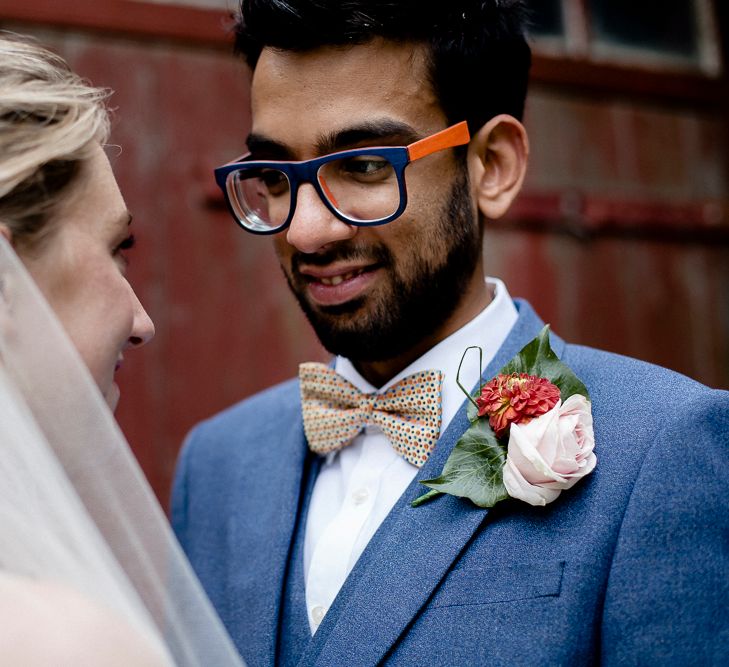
pixel 360 496
pixel 317 614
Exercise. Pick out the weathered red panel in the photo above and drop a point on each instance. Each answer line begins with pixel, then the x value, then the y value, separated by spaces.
pixel 597 262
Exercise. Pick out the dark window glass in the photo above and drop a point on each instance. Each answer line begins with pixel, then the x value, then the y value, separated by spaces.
pixel 546 17
pixel 668 26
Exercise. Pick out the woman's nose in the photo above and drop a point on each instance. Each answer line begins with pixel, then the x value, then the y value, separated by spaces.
pixel 142 325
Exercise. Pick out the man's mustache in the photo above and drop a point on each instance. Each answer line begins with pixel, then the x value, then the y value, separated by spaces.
pixel 378 254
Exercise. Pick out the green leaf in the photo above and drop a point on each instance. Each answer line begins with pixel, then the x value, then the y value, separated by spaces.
pixel 473 469
pixel 538 358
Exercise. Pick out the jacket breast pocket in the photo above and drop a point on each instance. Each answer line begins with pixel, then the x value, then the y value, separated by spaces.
pixel 499 583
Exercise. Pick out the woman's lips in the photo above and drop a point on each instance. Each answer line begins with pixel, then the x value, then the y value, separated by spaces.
pixel 333 286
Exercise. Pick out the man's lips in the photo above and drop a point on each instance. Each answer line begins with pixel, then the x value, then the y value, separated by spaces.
pixel 338 283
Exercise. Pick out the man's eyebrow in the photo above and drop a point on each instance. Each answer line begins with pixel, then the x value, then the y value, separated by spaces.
pixel 263 148
pixel 384 132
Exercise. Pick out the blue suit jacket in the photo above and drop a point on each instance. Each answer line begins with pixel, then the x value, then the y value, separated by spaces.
pixel 630 566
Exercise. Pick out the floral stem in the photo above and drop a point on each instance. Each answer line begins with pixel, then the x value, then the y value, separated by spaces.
pixel 425 498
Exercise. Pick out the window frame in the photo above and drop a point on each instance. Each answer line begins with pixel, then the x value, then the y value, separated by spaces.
pixel 578 43
pixel 210 28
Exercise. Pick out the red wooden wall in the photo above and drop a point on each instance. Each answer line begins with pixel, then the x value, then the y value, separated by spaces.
pixel 621 239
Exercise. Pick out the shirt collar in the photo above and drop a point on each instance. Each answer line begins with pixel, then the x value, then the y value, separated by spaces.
pixel 488 330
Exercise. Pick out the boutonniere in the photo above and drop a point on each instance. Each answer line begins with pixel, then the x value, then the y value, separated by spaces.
pixel 530 436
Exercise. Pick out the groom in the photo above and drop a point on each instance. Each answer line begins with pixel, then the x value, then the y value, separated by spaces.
pixel 317 557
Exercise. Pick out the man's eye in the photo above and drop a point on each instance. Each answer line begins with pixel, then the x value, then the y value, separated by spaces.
pixel 275 182
pixel 366 167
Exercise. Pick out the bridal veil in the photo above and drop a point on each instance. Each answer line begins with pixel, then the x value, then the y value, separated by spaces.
pixel 75 508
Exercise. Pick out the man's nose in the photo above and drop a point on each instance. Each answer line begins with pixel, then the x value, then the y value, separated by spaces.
pixel 314 226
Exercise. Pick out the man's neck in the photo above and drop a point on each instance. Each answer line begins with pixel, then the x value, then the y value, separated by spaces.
pixel 377 373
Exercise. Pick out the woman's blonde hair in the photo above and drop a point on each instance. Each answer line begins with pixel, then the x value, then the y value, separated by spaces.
pixel 49 121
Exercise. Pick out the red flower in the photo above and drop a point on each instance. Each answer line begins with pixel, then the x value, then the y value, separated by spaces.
pixel 515 398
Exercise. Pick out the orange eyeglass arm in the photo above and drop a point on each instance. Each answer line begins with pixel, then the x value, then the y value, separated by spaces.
pixel 328 192
pixel 455 135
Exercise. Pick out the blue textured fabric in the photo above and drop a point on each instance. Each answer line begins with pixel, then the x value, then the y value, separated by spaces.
pixel 294 633
pixel 629 567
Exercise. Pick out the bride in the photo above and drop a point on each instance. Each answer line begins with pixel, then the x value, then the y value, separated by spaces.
pixel 89 571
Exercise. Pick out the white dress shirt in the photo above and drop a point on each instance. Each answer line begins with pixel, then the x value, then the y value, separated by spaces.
pixel 357 486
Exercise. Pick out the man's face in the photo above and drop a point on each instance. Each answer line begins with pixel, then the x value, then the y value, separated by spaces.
pixel 371 293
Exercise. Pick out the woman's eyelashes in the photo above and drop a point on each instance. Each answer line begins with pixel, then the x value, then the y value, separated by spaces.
pixel 122 249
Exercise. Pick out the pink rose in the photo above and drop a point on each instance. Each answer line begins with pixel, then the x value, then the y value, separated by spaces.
pixel 551 452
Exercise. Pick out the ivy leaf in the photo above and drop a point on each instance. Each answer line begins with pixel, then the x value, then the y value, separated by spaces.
pixel 473 470
pixel 538 358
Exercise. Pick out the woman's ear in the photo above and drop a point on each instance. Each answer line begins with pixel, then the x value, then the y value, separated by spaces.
pixel 497 161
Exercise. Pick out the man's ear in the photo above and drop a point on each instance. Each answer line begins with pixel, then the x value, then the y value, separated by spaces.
pixel 497 161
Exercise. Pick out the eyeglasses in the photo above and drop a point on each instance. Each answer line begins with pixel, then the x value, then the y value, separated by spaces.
pixel 362 187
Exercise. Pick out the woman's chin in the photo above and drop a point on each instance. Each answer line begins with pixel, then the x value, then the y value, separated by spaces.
pixel 111 395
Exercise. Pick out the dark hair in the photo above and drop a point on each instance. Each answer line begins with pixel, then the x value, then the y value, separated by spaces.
pixel 479 56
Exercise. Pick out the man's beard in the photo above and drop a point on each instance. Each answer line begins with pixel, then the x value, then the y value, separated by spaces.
pixel 416 305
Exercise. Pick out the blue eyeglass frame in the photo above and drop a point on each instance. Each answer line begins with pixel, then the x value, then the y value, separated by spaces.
pixel 305 171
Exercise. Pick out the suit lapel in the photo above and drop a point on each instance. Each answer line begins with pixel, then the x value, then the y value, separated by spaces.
pixel 294 632
pixel 260 542
pixel 410 553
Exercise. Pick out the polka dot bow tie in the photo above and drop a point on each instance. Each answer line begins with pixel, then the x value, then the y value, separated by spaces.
pixel 335 411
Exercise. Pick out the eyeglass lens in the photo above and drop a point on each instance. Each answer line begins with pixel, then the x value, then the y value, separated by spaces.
pixel 363 188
